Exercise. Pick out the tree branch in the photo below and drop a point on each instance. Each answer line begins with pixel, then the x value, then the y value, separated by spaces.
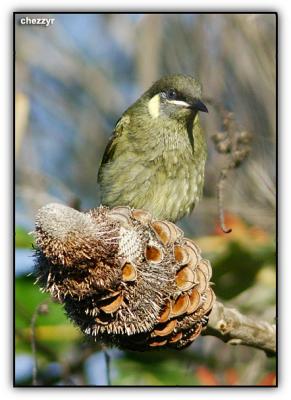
pixel 229 325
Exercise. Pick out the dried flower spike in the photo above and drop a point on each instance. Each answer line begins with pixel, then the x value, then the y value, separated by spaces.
pixel 124 278
pixel 235 144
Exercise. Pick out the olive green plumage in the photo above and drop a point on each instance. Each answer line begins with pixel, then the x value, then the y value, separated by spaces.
pixel 156 157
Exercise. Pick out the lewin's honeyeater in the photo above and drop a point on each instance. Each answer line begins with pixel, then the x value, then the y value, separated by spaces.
pixel 156 157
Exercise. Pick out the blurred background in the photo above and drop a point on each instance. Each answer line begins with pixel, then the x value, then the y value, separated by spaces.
pixel 73 81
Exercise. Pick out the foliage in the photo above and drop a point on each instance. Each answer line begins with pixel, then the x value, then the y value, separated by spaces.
pixel 22 238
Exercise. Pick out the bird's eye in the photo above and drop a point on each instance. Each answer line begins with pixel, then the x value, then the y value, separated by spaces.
pixel 171 94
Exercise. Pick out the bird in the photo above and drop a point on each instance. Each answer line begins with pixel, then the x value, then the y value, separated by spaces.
pixel 155 159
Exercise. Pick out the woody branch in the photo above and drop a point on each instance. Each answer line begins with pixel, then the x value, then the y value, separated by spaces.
pixel 229 325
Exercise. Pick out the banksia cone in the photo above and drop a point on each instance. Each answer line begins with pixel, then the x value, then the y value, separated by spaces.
pixel 124 278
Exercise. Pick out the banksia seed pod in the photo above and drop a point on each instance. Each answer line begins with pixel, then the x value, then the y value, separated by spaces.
pixel 124 278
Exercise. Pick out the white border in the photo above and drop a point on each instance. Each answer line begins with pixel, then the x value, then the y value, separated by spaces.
pixel 283 8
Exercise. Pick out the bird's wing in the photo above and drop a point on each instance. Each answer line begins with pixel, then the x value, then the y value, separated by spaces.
pixel 110 149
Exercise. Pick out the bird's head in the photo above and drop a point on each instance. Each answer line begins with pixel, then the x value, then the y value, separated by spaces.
pixel 174 96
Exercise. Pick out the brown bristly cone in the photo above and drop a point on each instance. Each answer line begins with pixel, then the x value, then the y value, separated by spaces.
pixel 124 278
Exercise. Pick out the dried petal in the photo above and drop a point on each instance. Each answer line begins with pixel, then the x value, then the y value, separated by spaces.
pixel 164 316
pixel 129 272
pixel 210 298
pixel 181 255
pixel 185 279
pixel 158 344
pixel 194 303
pixel 175 231
pixel 102 321
pixel 194 246
pixel 121 210
pixel 141 215
pixel 180 305
pixel 113 305
pixel 202 279
pixel 176 337
pixel 110 295
pixel 162 231
pixel 205 267
pixel 193 256
pixel 196 333
pixel 120 214
pixel 166 329
pixel 153 254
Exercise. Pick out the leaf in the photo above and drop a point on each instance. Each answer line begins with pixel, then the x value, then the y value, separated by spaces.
pixel 54 333
pixel 53 329
pixel 268 380
pixel 28 297
pixel 206 377
pixel 231 377
pixel 237 269
pixel 22 238
pixel 154 369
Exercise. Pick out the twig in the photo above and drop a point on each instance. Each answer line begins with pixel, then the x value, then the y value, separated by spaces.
pixel 234 144
pixel 107 366
pixel 223 176
pixel 40 309
pixel 229 325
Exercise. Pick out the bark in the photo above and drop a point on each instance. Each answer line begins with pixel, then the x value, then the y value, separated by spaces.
pixel 229 325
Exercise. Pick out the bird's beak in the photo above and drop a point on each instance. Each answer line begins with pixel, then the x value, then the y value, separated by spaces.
pixel 199 106
pixel 195 105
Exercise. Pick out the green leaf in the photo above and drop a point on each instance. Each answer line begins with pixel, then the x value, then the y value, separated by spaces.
pixel 236 270
pixel 22 238
pixel 157 368
pixel 52 329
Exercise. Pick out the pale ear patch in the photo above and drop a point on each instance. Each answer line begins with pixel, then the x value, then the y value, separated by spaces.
pixel 179 103
pixel 154 106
